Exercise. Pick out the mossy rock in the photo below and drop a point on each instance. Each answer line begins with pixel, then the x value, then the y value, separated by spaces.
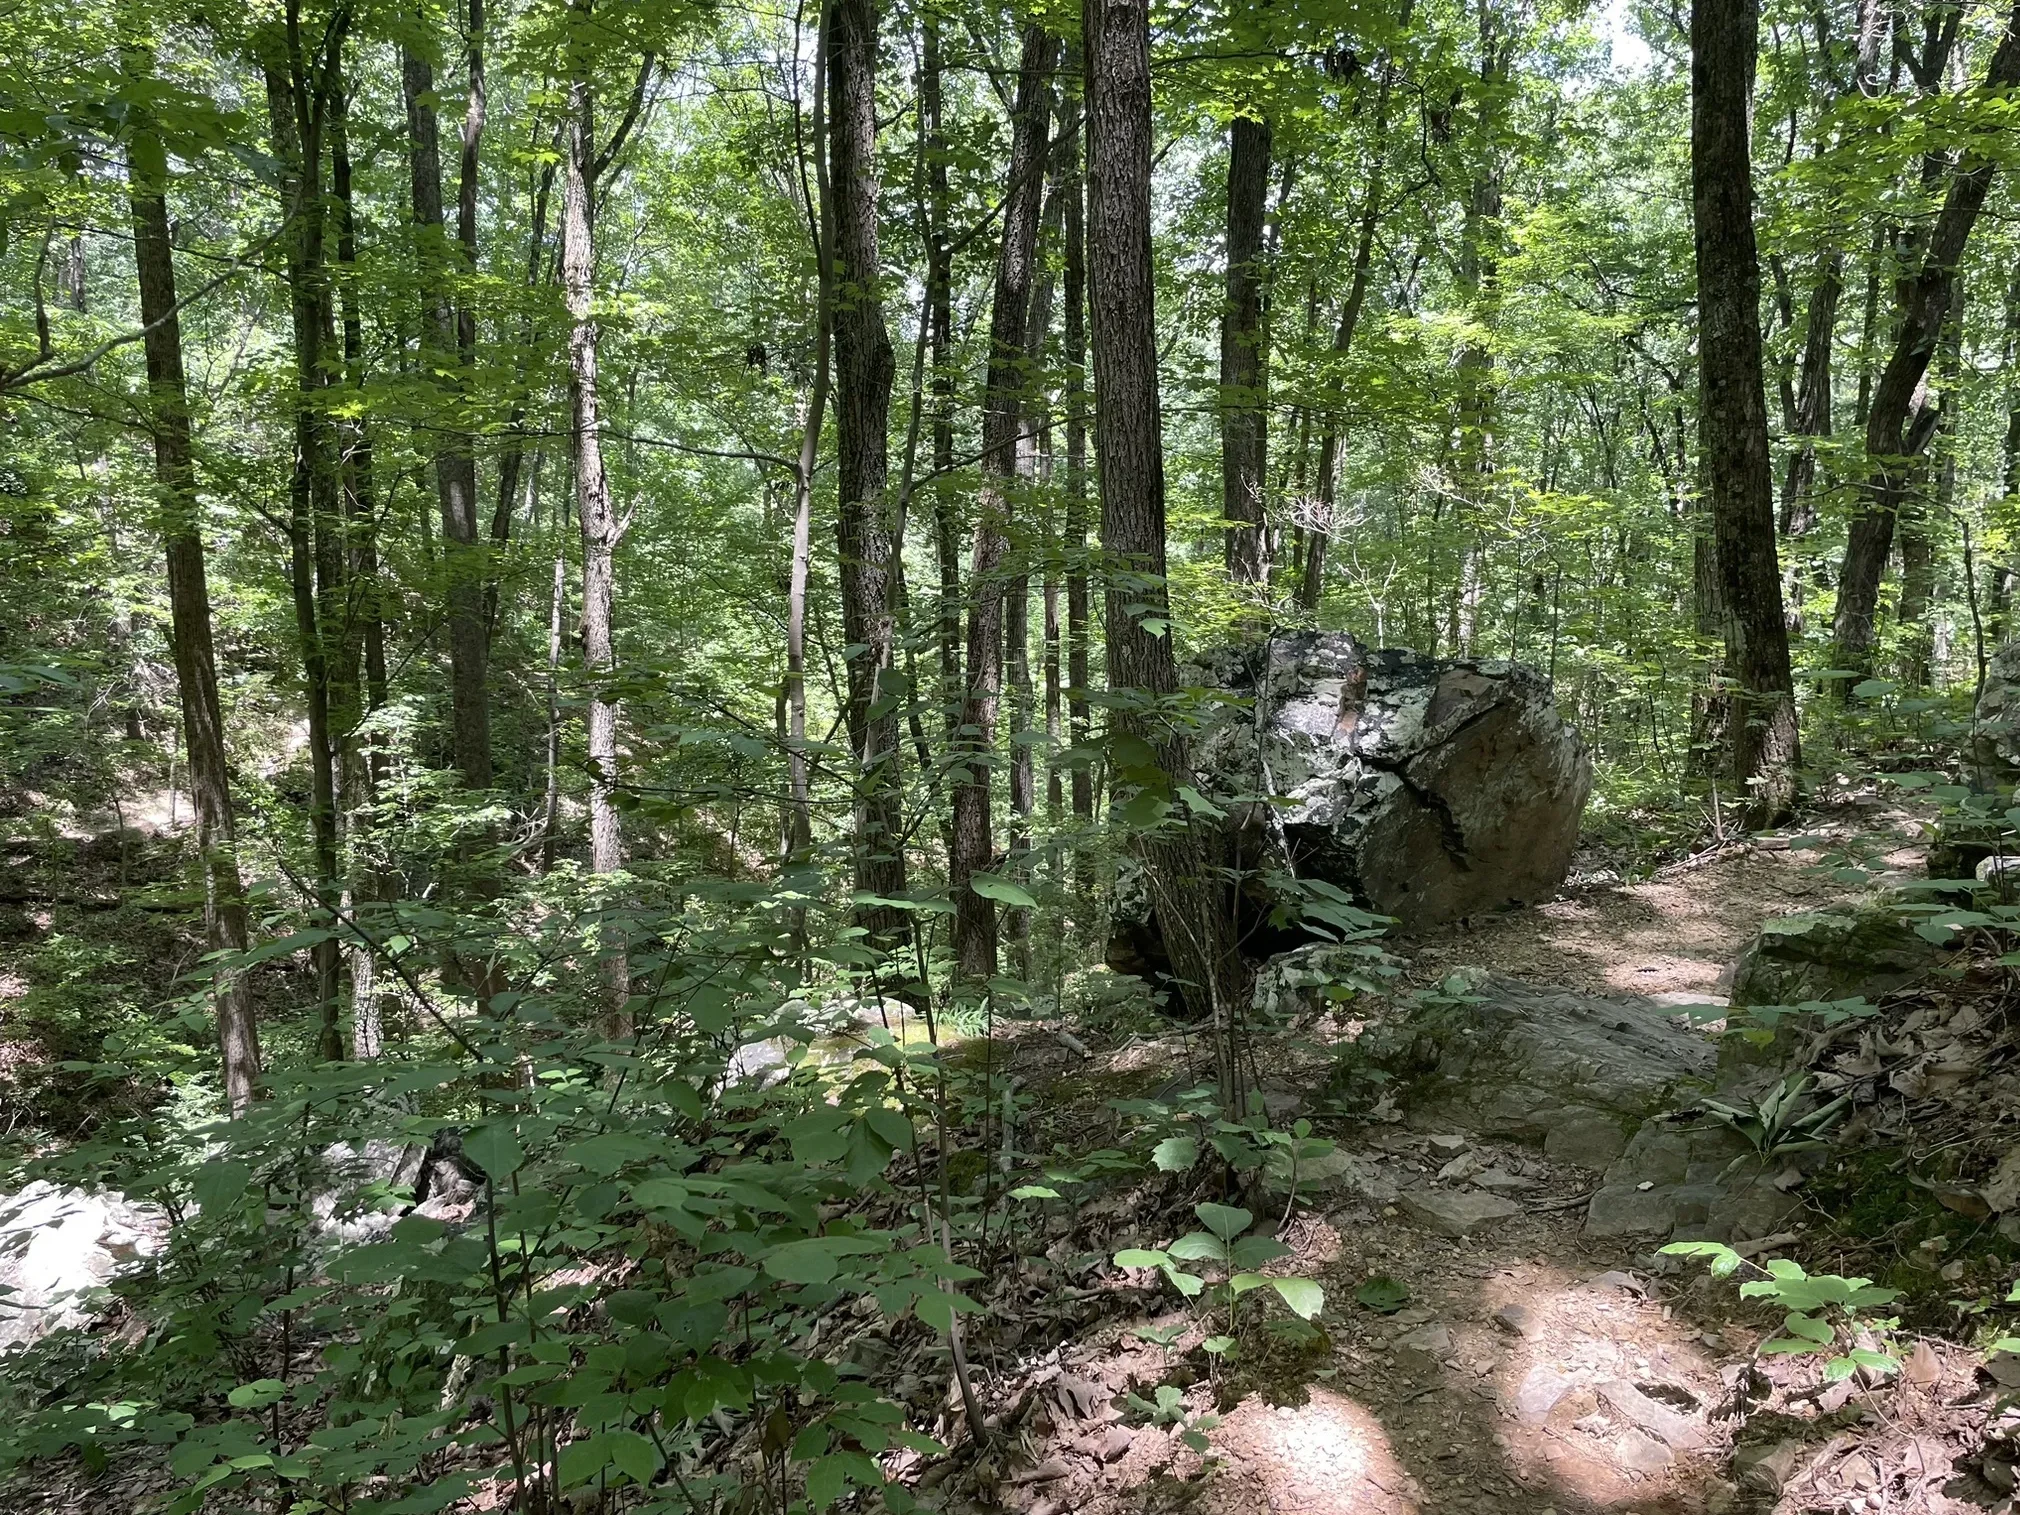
pixel 1962 842
pixel 1844 953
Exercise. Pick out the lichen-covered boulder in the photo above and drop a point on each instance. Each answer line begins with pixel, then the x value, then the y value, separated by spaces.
pixel 1427 789
pixel 1842 953
pixel 1995 726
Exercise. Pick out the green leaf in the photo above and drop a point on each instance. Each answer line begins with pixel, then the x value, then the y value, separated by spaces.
pixel 1217 1345
pixel 1382 1294
pixel 1197 1246
pixel 1033 1191
pixel 258 1394
pixel 1304 1296
pixel 1175 1154
pixel 993 886
pixel 635 1456
pixel 1225 1221
pixel 495 1149
pixel 1142 1257
pixel 218 1185
pixel 937 1309
pixel 817 1259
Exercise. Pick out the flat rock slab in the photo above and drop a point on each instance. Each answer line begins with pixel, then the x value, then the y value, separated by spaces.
pixel 1539 1393
pixel 1457 1214
pixel 1652 1415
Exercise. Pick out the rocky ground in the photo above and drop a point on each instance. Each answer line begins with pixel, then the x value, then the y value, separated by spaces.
pixel 1535 1356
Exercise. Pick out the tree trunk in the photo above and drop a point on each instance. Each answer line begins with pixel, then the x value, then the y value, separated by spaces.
pixel 1002 422
pixel 865 370
pixel 296 121
pixel 1899 424
pixel 363 771
pixel 1813 397
pixel 940 333
pixel 1147 750
pixel 180 517
pixel 594 512
pixel 1244 358
pixel 455 465
pixel 1732 412
pixel 1319 528
pixel 1073 546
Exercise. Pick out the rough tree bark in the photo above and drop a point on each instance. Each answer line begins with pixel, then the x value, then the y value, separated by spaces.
pixel 1900 423
pixel 1002 413
pixel 865 369
pixel 180 521
pixel 1079 726
pixel 940 334
pixel 1244 359
pixel 455 463
pixel 595 514
pixel 1732 411
pixel 1319 528
pixel 297 88
pixel 1148 749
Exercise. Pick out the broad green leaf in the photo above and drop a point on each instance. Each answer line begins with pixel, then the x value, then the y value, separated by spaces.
pixel 817 1259
pixel 495 1149
pixel 1175 1154
pixel 994 887
pixel 1225 1221
pixel 1304 1296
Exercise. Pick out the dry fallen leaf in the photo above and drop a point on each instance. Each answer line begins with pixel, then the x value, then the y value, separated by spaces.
pixel 1923 1366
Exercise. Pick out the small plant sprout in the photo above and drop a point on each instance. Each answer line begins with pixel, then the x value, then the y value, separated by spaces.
pixel 1235 1257
pixel 1824 1310
pixel 1168 1409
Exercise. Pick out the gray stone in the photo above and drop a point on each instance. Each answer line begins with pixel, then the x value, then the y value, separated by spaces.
pixel 1309 978
pixel 1630 1211
pixel 1457 1214
pixel 59 1248
pixel 1519 1320
pixel 1507 1058
pixel 1538 1394
pixel 1995 726
pixel 1434 1340
pixel 1767 1469
pixel 1853 950
pixel 1585 1140
pixel 1334 1174
pixel 1428 790
pixel 1653 1416
pixel 1641 1453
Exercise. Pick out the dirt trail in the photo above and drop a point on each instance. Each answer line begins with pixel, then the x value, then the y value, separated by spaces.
pixel 1533 1371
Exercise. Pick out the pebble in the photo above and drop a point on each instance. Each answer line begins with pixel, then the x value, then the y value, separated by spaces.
pixel 1519 1319
pixel 1641 1453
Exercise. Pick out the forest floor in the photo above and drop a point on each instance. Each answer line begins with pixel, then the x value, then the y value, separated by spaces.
pixel 1534 1370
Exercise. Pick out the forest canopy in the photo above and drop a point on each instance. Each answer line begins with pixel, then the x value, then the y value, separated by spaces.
pixel 553 553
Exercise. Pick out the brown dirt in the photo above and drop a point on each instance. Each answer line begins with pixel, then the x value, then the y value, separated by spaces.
pixel 1436 1410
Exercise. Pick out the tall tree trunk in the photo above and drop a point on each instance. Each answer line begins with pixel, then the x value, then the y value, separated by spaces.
pixel 1901 422
pixel 595 514
pixel 363 771
pixel 1920 517
pixel 940 332
pixel 865 369
pixel 1244 359
pixel 1319 529
pixel 296 87
pixel 1813 396
pixel 1002 417
pixel 455 464
pixel 180 518
pixel 1147 750
pixel 1732 411
pixel 1073 544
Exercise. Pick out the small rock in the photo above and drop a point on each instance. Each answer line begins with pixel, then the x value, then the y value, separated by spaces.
pixel 1518 1319
pixel 1111 1444
pixel 1641 1453
pixel 1501 1181
pixel 1615 1279
pixel 1538 1393
pixel 1585 1141
pixel 1433 1340
pixel 1458 1214
pixel 1045 1472
pixel 1448 1146
pixel 1679 1430
pixel 1767 1469
pixel 1628 1211
pixel 1464 1166
pixel 1923 1366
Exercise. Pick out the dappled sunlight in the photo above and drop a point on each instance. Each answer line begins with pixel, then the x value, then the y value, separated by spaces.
pixel 1329 1456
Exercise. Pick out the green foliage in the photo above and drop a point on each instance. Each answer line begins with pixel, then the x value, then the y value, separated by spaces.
pixel 1825 1313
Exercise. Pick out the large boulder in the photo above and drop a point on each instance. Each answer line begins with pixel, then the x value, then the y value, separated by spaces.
pixel 1995 728
pixel 59 1248
pixel 1428 789
pixel 1851 951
